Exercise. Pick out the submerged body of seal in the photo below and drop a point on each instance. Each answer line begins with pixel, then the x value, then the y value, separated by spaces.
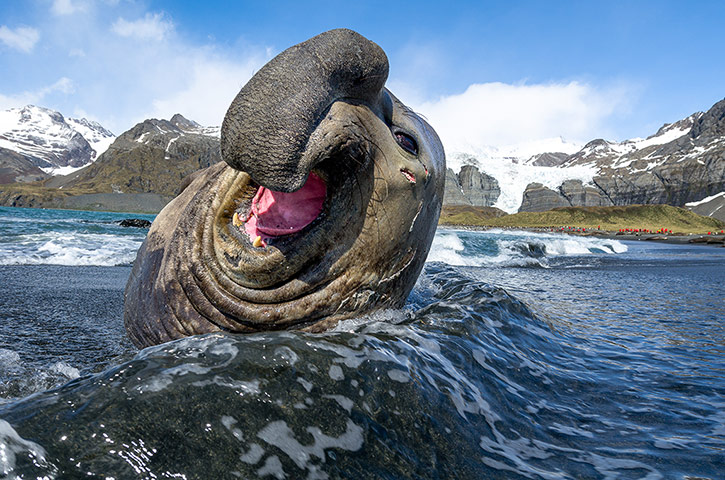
pixel 325 208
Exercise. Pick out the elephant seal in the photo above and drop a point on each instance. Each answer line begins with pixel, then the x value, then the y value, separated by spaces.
pixel 324 208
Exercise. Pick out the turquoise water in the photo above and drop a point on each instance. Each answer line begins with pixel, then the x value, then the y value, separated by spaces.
pixel 30 236
pixel 516 356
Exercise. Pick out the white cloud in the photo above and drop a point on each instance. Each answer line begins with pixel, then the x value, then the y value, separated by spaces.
pixel 151 27
pixel 36 97
pixel 206 86
pixel 499 114
pixel 22 38
pixel 66 7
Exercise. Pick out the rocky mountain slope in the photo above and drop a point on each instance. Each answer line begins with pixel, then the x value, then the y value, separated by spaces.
pixel 683 162
pixel 153 157
pixel 42 138
pixel 470 188
pixel 140 171
pixel 15 167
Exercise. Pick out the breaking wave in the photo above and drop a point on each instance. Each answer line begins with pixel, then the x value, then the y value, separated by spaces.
pixel 57 237
pixel 501 248
pixel 59 248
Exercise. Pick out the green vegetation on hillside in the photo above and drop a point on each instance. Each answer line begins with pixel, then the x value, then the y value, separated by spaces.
pixel 35 195
pixel 468 215
pixel 651 217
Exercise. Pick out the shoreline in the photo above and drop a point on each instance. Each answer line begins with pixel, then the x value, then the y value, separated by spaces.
pixel 88 210
pixel 716 240
pixel 673 239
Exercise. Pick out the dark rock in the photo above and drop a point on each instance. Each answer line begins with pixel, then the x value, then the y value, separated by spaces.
pixel 152 157
pixel 480 189
pixel 549 159
pixel 711 124
pixel 453 194
pixel 470 187
pixel 15 167
pixel 714 208
pixel 579 195
pixel 538 198
pixel 134 222
pixel 184 123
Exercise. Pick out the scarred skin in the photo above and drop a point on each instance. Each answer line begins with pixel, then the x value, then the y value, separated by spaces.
pixel 321 107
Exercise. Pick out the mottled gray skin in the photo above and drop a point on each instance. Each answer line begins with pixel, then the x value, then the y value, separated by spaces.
pixel 319 106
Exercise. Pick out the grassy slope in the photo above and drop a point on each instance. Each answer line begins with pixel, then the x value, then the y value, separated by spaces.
pixel 652 217
pixel 467 215
pixel 33 194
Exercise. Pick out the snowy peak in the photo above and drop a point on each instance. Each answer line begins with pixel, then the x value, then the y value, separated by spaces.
pixel 175 138
pixel 153 130
pixel 98 137
pixel 151 157
pixel 484 156
pixel 710 124
pixel 636 154
pixel 191 126
pixel 184 123
pixel 680 164
pixel 683 125
pixel 50 141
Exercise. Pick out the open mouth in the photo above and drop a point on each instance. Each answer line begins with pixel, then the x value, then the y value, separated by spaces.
pixel 275 214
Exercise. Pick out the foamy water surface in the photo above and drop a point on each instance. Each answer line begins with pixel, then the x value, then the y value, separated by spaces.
pixel 61 237
pixel 511 248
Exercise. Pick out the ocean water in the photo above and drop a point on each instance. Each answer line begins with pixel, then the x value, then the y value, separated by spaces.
pixel 517 355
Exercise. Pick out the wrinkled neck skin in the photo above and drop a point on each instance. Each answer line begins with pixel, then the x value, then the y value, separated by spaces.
pixel 200 270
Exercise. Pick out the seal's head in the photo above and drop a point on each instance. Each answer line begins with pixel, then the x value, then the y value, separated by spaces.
pixel 325 208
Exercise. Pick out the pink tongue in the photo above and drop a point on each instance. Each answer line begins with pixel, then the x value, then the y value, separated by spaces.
pixel 278 213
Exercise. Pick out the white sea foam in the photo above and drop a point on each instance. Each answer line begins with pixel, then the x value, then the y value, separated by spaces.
pixel 515 248
pixel 65 370
pixel 20 377
pixel 561 244
pixel 70 248
pixel 448 248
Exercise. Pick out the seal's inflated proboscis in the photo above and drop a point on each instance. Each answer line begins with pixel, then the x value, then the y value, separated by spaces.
pixel 325 207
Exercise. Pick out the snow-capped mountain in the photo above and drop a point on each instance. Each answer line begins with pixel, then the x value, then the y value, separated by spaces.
pixel 190 126
pixel 681 163
pixel 48 140
pixel 153 156
pixel 461 155
pixel 633 155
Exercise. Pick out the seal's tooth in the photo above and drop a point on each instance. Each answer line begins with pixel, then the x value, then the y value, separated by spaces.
pixel 258 242
pixel 236 220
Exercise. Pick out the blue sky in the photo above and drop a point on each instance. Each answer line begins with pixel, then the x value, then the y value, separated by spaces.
pixel 484 73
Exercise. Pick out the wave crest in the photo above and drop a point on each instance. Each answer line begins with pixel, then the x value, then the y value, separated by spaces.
pixel 514 248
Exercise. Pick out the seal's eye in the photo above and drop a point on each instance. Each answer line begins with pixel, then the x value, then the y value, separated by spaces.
pixel 407 142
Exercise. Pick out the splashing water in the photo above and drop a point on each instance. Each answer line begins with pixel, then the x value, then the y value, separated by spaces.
pixel 516 356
